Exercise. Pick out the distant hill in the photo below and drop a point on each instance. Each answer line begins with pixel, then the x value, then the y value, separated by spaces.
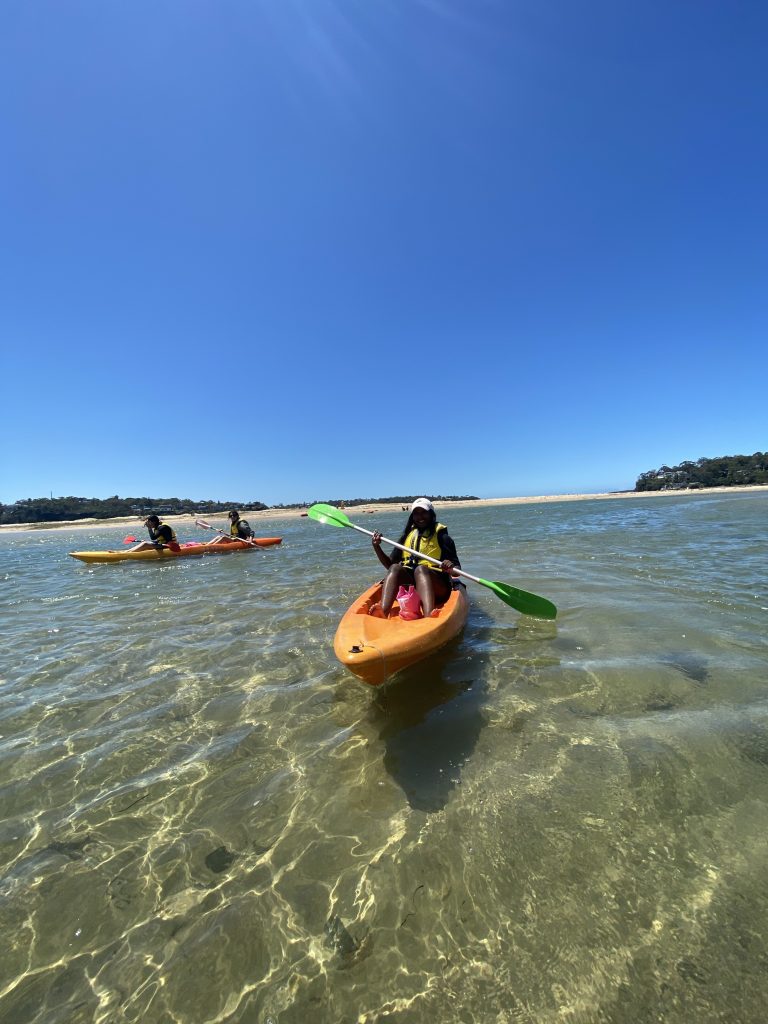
pixel 57 510
pixel 724 471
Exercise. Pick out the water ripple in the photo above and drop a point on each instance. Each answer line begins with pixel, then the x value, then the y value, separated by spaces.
pixel 205 818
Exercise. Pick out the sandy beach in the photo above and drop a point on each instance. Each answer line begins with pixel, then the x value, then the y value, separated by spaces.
pixel 136 522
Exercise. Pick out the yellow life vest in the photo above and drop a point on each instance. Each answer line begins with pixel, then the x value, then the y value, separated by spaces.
pixel 426 544
pixel 234 530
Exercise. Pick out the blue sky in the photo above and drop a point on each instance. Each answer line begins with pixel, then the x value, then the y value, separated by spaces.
pixel 288 250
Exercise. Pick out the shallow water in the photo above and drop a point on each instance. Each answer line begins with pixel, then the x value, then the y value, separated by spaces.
pixel 205 818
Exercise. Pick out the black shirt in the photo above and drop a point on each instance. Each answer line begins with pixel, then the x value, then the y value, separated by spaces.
pixel 161 536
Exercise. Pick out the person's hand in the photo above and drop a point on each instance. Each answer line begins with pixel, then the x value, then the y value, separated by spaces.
pixel 376 539
pixel 447 566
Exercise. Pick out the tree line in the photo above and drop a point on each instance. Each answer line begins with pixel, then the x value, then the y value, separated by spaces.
pixel 57 510
pixel 723 471
pixel 401 499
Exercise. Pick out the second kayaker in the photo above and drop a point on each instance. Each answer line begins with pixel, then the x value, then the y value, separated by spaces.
pixel 161 535
pixel 238 529
pixel 433 582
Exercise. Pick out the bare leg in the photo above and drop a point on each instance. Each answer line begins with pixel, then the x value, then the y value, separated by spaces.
pixel 396 576
pixel 431 587
pixel 425 589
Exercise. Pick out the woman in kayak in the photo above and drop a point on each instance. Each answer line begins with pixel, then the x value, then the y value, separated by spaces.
pixel 238 530
pixel 433 584
pixel 160 536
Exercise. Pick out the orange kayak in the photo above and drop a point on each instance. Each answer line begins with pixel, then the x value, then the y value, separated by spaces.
pixel 374 649
pixel 187 550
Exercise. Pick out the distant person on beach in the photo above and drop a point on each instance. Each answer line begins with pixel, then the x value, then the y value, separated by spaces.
pixel 160 536
pixel 433 583
pixel 238 530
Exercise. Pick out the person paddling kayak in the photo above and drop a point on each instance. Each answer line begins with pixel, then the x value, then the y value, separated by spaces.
pixel 433 583
pixel 238 530
pixel 160 536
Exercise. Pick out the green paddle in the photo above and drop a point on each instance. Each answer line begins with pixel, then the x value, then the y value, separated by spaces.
pixel 521 600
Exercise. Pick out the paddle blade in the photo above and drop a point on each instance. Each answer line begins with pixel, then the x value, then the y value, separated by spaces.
pixel 327 514
pixel 522 601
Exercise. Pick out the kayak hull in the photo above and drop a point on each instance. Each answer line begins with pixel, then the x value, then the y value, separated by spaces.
pixel 375 649
pixel 221 547
pixel 188 550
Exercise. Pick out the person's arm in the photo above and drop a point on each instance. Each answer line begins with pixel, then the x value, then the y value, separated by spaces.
pixel 163 537
pixel 448 551
pixel 386 560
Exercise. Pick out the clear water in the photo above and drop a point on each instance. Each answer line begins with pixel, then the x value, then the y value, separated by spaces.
pixel 205 818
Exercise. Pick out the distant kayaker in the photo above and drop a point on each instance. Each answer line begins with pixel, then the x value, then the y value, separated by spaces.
pixel 160 536
pixel 238 529
pixel 433 583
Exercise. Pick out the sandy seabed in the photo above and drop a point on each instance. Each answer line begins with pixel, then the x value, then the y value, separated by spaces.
pixel 136 522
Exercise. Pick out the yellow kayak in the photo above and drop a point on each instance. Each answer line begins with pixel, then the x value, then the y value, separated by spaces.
pixel 187 550
pixel 374 649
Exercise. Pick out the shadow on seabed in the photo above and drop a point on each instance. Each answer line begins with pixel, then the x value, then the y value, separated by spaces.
pixel 429 717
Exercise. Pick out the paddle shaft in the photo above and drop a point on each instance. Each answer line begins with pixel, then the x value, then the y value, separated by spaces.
pixel 419 554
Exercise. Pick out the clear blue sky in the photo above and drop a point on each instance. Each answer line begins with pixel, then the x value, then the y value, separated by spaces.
pixel 295 249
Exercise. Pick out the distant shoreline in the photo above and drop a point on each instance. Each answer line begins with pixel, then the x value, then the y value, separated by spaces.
pixel 135 522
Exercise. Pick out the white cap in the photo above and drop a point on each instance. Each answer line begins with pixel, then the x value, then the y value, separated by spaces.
pixel 424 503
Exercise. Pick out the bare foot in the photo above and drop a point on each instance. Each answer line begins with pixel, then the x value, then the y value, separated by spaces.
pixel 377 612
